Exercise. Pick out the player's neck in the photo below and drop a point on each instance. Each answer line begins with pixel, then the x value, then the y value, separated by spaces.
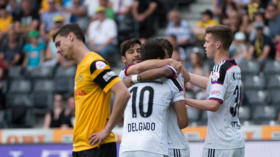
pixel 220 56
pixel 80 51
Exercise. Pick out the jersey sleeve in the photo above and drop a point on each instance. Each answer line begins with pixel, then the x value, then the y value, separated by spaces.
pixel 102 75
pixel 175 74
pixel 218 85
pixel 177 90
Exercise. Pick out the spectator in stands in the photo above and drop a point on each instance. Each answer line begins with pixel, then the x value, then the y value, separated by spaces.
pixel 47 19
pixel 70 111
pixel 179 51
pixel 109 12
pixel 252 30
pixel 261 46
pixel 33 50
pixel 91 7
pixel 253 8
pixel 273 18
pixel 234 21
pixel 179 27
pixel 102 34
pixel 56 117
pixel 197 67
pixel 121 7
pixel 78 14
pixel 143 12
pixel 277 46
pixel 205 21
pixel 11 49
pixel 5 21
pixel 51 56
pixel 239 48
pixel 27 18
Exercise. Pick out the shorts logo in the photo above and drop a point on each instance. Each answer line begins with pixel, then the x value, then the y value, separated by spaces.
pixel 215 76
pixel 100 65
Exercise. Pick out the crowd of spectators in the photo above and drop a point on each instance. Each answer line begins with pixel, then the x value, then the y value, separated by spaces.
pixel 27 26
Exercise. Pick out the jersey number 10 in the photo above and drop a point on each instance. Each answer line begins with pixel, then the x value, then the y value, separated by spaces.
pixel 134 92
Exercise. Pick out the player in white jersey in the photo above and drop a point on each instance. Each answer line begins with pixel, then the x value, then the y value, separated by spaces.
pixel 163 92
pixel 178 144
pixel 224 136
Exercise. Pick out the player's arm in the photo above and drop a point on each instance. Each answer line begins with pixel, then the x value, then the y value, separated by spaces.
pixel 107 80
pixel 151 64
pixel 121 97
pixel 198 80
pixel 182 117
pixel 149 75
pixel 209 105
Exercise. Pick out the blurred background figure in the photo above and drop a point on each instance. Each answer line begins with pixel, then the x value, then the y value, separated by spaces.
pixel 180 28
pixel 102 34
pixel 205 21
pixel 239 49
pixel 56 118
pixel 144 13
pixel 34 51
pixel 26 18
pixel 5 22
pixel 11 49
pixel 70 111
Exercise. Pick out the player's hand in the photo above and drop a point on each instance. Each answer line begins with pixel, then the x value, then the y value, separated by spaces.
pixel 177 65
pixel 128 82
pixel 98 137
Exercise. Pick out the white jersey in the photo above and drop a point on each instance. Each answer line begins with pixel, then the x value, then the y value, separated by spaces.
pixel 224 85
pixel 176 138
pixel 145 116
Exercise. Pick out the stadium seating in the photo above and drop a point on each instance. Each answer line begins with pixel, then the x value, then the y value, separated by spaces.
pixel 43 72
pixel 15 72
pixel 274 82
pixel 272 67
pixel 264 114
pixel 256 82
pixel 65 72
pixel 244 113
pixel 249 68
pixel 20 86
pixel 258 97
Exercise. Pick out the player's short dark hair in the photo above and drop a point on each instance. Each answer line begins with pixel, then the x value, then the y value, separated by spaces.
pixel 152 49
pixel 166 45
pixel 66 29
pixel 221 33
pixel 128 44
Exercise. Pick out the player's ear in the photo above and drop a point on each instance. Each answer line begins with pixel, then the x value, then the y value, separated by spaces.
pixel 218 44
pixel 71 36
pixel 123 59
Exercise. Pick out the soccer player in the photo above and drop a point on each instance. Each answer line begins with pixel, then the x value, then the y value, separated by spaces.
pixel 94 82
pixel 146 112
pixel 178 144
pixel 224 136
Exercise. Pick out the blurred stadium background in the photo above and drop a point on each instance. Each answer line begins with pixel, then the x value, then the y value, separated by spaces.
pixel 36 82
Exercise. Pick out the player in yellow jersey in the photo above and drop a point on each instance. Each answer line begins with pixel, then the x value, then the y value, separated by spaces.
pixel 94 82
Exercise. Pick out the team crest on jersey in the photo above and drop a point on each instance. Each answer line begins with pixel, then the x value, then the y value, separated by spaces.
pixel 100 65
pixel 215 76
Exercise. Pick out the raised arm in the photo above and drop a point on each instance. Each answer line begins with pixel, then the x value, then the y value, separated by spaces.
pixel 198 80
pixel 152 64
pixel 149 75
pixel 209 105
pixel 121 97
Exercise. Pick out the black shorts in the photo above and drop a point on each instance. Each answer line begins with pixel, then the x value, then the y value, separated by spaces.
pixel 105 150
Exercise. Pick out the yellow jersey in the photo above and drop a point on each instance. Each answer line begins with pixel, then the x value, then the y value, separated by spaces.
pixel 93 81
pixel 209 23
pixel 5 23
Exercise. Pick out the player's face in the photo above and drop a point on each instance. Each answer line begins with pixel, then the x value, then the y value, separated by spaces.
pixel 210 45
pixel 132 55
pixel 63 46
